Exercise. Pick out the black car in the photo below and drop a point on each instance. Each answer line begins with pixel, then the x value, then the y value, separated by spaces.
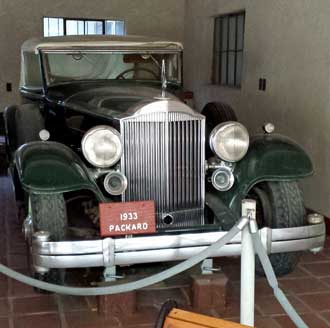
pixel 117 169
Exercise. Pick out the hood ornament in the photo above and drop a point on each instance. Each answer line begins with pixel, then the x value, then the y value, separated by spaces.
pixel 164 80
pixel 163 95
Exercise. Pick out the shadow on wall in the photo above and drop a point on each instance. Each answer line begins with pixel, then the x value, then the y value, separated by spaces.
pixel 3 158
pixel 2 125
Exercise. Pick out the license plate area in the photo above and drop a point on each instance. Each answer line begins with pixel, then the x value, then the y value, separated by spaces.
pixel 127 218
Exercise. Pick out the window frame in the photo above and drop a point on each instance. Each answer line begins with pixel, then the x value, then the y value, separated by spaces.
pixel 45 65
pixel 84 20
pixel 218 50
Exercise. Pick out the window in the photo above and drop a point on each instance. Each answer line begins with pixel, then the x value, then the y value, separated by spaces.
pixel 228 49
pixel 114 27
pixel 53 26
pixel 57 26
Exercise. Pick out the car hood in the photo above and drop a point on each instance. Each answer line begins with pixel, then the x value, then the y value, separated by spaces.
pixel 107 101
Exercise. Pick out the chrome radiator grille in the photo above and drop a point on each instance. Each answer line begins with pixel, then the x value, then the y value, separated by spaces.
pixel 163 160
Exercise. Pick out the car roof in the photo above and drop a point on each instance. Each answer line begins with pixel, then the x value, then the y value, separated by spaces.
pixel 101 42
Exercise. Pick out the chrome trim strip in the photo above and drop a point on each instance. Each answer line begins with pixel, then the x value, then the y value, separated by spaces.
pixel 297 232
pixel 68 261
pixel 297 245
pixel 126 251
pixel 159 106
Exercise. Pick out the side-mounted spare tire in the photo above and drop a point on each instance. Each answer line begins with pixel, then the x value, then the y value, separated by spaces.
pixel 216 113
pixel 279 205
pixel 23 124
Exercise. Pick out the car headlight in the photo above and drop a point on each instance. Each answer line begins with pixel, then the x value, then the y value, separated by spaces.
pixel 230 141
pixel 102 146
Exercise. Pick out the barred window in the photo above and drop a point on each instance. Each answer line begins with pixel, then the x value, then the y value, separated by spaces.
pixel 58 26
pixel 228 49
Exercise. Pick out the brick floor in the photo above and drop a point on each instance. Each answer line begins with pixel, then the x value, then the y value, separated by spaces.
pixel 308 287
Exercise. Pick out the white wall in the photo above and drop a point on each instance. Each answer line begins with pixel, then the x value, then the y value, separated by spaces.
pixel 286 42
pixel 22 19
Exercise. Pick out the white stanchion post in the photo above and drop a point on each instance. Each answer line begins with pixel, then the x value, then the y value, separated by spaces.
pixel 247 266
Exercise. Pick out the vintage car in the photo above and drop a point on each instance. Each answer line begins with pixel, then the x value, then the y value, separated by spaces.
pixel 118 170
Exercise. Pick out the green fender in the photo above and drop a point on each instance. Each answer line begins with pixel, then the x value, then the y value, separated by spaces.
pixel 51 167
pixel 270 158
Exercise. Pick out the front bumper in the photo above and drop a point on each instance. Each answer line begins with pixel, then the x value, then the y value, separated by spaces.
pixel 127 251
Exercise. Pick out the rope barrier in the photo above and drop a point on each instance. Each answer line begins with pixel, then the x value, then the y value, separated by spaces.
pixel 183 266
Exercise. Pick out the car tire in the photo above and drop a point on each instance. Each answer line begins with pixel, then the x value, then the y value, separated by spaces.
pixel 49 214
pixel 216 113
pixel 279 205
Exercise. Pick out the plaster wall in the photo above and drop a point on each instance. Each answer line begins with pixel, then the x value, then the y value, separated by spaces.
pixel 22 19
pixel 286 42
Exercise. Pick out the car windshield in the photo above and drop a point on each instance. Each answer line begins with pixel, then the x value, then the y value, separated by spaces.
pixel 76 66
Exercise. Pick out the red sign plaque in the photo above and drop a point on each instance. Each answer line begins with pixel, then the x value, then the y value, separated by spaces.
pixel 129 218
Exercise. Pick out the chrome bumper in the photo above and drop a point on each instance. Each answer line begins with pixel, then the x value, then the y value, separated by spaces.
pixel 126 251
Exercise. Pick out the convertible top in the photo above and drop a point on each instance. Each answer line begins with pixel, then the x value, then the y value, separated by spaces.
pixel 109 42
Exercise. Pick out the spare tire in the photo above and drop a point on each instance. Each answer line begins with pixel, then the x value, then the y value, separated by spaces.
pixel 29 122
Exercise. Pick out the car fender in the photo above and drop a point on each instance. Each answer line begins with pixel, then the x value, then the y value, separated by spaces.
pixel 51 167
pixel 270 158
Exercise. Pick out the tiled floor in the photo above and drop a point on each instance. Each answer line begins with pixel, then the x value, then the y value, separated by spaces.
pixel 308 287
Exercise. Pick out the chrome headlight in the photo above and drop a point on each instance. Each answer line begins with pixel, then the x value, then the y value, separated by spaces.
pixel 102 146
pixel 230 141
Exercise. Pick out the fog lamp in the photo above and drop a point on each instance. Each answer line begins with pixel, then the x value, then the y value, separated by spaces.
pixel 115 183
pixel 223 179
